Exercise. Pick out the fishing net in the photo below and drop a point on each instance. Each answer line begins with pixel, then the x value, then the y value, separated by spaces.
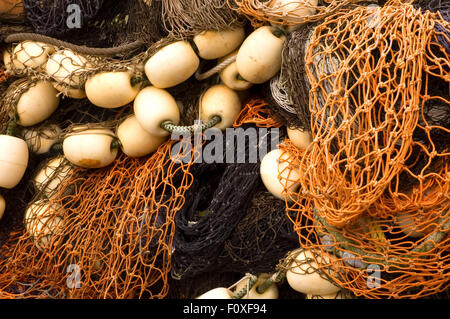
pixel 112 228
pixel 52 18
pixel 443 7
pixel 262 237
pixel 213 209
pixel 116 231
pixel 289 92
pixel 99 23
pixel 288 13
pixel 373 185
pixel 184 18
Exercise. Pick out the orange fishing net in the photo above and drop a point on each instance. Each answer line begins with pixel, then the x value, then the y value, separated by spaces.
pixel 116 233
pixel 291 12
pixel 256 111
pixel 373 189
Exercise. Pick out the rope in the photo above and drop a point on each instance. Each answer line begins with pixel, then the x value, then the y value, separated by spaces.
pixel 170 127
pixel 219 67
pixel 17 37
pixel 275 278
pixel 251 283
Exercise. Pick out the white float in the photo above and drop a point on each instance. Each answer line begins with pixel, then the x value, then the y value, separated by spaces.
pixel 111 89
pixel 216 44
pixel 271 164
pixel 172 65
pixel 303 276
pixel 135 141
pixel 13 162
pixel 37 103
pixel 222 101
pixel 259 57
pixel 90 148
pixel 152 107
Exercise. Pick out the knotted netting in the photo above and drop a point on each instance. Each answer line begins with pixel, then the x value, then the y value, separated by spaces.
pixel 99 23
pixel 184 18
pixel 290 13
pixel 373 186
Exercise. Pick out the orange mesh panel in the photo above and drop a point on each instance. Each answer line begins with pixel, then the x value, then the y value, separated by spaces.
pixel 374 185
pixel 118 228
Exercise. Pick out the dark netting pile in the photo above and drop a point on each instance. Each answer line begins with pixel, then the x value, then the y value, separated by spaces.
pixel 228 222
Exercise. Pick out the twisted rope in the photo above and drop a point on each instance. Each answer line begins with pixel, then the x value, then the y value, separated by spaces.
pixel 17 37
pixel 219 67
pixel 170 127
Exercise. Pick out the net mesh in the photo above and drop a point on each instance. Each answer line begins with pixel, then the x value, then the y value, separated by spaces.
pixel 373 185
pixel 288 13
pixel 184 18
pixel 99 23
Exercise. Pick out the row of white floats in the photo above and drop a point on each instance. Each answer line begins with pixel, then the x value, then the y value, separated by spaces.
pixel 258 59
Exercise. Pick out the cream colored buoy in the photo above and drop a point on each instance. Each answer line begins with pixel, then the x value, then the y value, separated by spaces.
pixel 172 65
pixel 273 163
pixel 270 293
pixel 111 89
pixel 152 107
pixel 216 44
pixel 222 101
pixel 43 221
pixel 31 54
pixel 300 138
pixel 216 293
pixel 13 160
pixel 40 140
pixel 37 103
pixel 259 57
pixel 90 148
pixel 303 276
pixel 66 67
pixel 230 76
pixel 135 141
pixel 51 175
pixel 2 206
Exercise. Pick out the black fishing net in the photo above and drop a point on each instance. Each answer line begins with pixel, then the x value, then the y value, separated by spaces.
pixel 56 18
pixel 99 23
pixel 261 238
pixel 229 222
